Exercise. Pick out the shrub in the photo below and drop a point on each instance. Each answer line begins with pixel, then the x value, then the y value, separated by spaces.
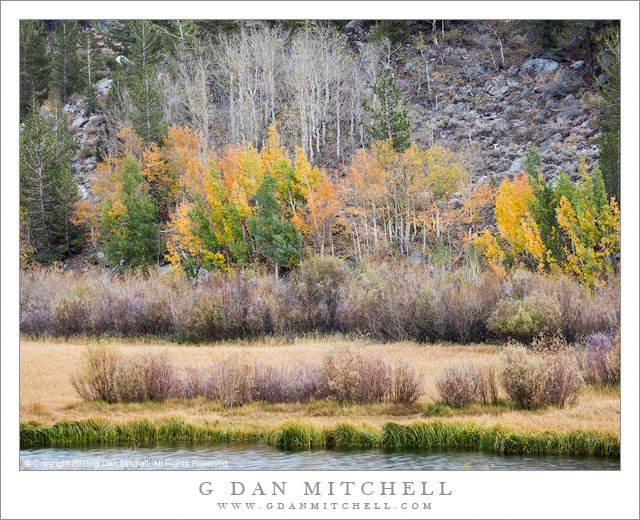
pixel 533 379
pixel 523 320
pixel 95 380
pixel 112 378
pixel 564 379
pixel 293 383
pixel 405 384
pixel 36 321
pixel 600 359
pixel 229 382
pixel 321 279
pixel 353 377
pixel 465 308
pixel 388 301
pixel 523 376
pixel 463 384
pixel 207 319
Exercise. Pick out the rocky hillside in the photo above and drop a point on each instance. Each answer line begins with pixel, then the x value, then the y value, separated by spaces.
pixel 461 93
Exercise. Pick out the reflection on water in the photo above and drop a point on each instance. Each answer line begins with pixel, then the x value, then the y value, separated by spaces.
pixel 238 457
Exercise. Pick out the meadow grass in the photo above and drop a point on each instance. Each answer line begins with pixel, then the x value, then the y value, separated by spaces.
pixel 48 397
pixel 434 434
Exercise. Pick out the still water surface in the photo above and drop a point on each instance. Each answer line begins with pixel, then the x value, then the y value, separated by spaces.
pixel 238 457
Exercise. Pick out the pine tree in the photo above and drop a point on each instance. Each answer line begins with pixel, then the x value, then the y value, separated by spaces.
pixel 93 66
pixel 389 120
pixel 145 49
pixel 48 191
pixel 543 204
pixel 65 60
pixel 278 241
pixel 129 223
pixel 148 116
pixel 34 65
pixel 607 114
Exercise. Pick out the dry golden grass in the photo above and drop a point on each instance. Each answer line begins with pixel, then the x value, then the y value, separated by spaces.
pixel 46 394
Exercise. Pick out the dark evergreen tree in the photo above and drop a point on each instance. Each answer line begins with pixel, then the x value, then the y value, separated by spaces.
pixel 34 65
pixel 607 114
pixel 389 120
pixel 130 233
pixel 148 115
pixel 65 60
pixel 544 203
pixel 48 190
pixel 93 69
pixel 145 48
pixel 277 240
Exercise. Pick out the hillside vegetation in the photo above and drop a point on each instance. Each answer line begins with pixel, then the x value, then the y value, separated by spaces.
pixel 213 146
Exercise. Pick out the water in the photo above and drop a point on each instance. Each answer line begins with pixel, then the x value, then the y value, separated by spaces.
pixel 239 457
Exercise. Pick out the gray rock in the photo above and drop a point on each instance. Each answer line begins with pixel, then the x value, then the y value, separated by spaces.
pixel 202 272
pixel 467 90
pixel 164 269
pixel 89 161
pixel 354 25
pixel 100 257
pixel 79 122
pixel 537 67
pixel 516 165
pixel 122 60
pixel 104 86
pixel 513 70
pixel 96 120
pixel 553 139
pixel 496 87
pixel 473 73
pixel 565 81
pixel 577 64
pixel 456 203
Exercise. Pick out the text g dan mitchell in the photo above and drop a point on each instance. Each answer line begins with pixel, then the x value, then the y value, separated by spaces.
pixel 327 488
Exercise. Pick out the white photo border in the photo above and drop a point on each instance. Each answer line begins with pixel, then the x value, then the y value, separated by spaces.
pixel 545 494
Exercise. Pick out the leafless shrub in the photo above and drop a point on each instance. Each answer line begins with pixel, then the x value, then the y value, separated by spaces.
pixel 563 379
pixel 464 383
pixel 523 376
pixel 600 358
pixel 405 384
pixel 354 377
pixel 536 379
pixel 229 382
pixel 95 380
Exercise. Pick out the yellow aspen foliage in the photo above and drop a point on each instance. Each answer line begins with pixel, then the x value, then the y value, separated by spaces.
pixel 592 228
pixel 520 241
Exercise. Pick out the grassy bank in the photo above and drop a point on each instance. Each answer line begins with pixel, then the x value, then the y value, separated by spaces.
pixel 432 434
pixel 52 411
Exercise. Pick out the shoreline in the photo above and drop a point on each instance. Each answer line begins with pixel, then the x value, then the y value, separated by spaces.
pixel 434 434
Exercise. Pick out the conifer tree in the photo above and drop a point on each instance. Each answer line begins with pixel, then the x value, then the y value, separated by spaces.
pixel 607 115
pixel 92 69
pixel 65 60
pixel 145 46
pixel 278 241
pixel 148 115
pixel 389 120
pixel 34 65
pixel 48 191
pixel 543 204
pixel 129 223
pixel 144 89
